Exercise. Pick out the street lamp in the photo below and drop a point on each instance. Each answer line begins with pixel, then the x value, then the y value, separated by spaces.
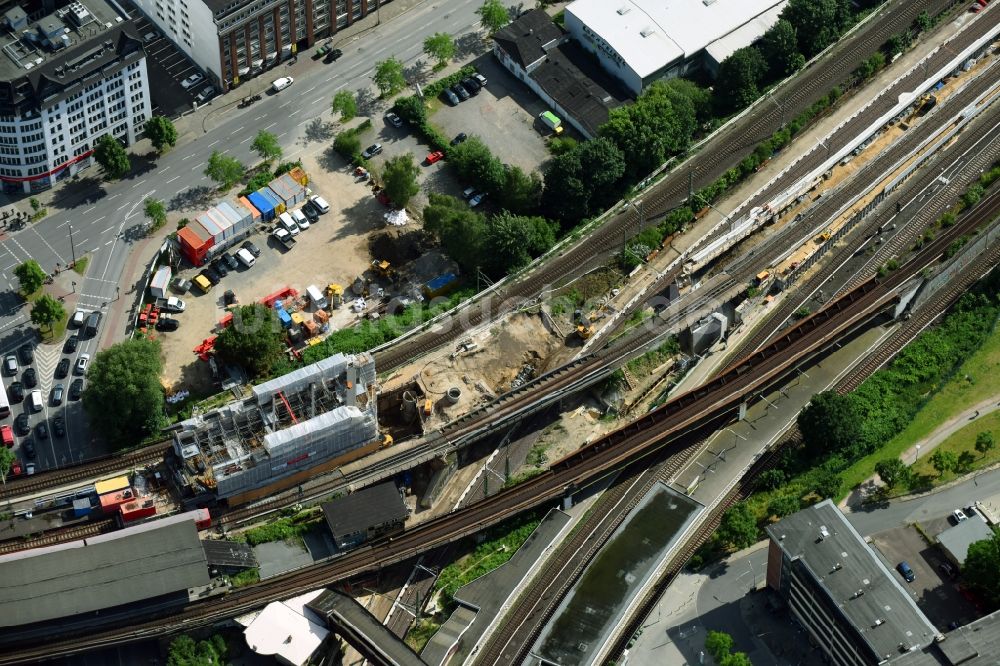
pixel 916 455
pixel 72 245
pixel 74 287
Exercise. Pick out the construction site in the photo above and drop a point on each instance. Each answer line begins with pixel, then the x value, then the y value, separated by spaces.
pixel 291 428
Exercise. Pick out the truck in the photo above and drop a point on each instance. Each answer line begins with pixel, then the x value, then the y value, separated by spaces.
pixel 283 237
pixel 551 120
pixel 170 304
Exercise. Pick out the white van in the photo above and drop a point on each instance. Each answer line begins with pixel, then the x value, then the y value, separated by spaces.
pixel 316 296
pixel 321 205
pixel 288 223
pixel 245 258
pixel 36 401
pixel 300 219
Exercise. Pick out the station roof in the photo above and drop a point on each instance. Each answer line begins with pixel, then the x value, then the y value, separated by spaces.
pixel 821 543
pixel 126 566
pixel 288 630
pixel 360 510
pixel 649 34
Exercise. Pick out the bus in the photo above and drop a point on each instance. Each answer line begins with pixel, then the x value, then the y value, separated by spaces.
pixel 4 403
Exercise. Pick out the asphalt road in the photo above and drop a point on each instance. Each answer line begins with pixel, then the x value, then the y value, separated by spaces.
pixel 108 219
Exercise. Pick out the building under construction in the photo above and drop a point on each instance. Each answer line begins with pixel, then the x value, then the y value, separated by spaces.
pixel 308 421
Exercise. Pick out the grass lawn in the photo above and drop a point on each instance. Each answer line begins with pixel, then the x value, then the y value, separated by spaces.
pixel 81 265
pixel 961 440
pixel 977 380
pixel 58 329
pixel 420 633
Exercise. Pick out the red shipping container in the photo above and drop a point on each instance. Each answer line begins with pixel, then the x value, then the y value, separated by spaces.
pixel 111 501
pixel 137 510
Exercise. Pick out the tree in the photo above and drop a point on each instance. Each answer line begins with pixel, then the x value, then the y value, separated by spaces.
pixel 830 423
pixel 31 276
pixel 461 230
pixel 345 104
pixel 6 463
pixel 124 397
pixel 411 109
pixel 943 461
pixel 400 178
pixel 156 211
pixel 493 15
pixel 585 180
pixel 266 145
pixel 718 644
pixel 184 651
pixel 985 442
pixel 924 22
pixel 225 170
pixel 161 133
pixel 736 659
pixel 771 479
pixel 736 85
pixel 521 192
pixel 779 46
pixel 46 311
pixel 253 340
pixel 784 505
pixel 826 483
pixel 441 47
pixel 817 23
pixel 109 153
pixel 476 163
pixel 348 145
pixel 966 459
pixel 739 527
pixel 388 77
pixel 981 566
pixel 514 240
pixel 892 471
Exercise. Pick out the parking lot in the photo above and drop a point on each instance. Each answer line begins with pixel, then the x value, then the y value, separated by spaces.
pixel 938 596
pixel 167 66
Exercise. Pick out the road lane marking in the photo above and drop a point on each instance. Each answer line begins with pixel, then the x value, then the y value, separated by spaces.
pixel 342 85
pixel 114 196
pixel 237 130
pixel 100 218
pixel 187 157
pixel 138 184
pixel 89 209
pixel 213 143
pixel 172 179
pixel 111 241
pixel 84 242
pixel 271 125
pixel 122 206
pixel 164 169
pixel 295 112
pixel 107 230
pixel 245 140
pixel 261 117
pixel 282 134
pixel 318 100
pixel 311 89
pixel 41 238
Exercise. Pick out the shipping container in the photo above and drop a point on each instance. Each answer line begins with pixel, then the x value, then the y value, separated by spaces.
pixel 82 507
pixel 299 176
pixel 279 202
pixel 293 192
pixel 222 222
pixel 263 205
pixel 138 509
pixel 235 220
pixel 111 501
pixel 244 220
pixel 111 485
pixel 195 242
pixel 440 285
pixel 212 227
pixel 161 282
pixel 254 213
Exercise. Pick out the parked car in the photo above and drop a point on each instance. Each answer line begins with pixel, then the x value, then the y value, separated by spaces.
pixel 207 93
pixel 372 151
pixel 79 316
pixel 27 353
pixel 167 324
pixel 471 85
pixel 63 368
pixel 469 192
pixel 30 378
pixel 450 97
pixel 393 119
pixel 7 436
pixel 219 266
pixel 71 343
pixel 21 424
pixel 15 392
pixel 300 219
pixel 57 394
pixel 35 400
pixel 81 364
pixel 10 364
pixel 251 248
pixel 959 516
pixel 29 451
pixel 460 90
pixel 59 425
pixel 436 156
pixel 459 138
pixel 906 572
pixel 280 84
pixel 42 431
pixel 230 260
pixel 480 79
pixel 309 210
pixel 174 304
pixel 180 285
pixel 150 36
pixel 76 389
pixel 477 199
pixel 321 205
pixel 190 81
pixel 334 55
pixel 211 275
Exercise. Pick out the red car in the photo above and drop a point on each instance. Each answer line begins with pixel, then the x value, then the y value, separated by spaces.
pixel 7 436
pixel 15 468
pixel 436 156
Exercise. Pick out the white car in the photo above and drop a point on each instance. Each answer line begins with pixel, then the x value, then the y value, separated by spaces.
pixel 959 516
pixel 282 83
pixel 78 318
pixel 174 304
pixel 197 77
pixel 81 364
pixel 321 205
pixel 300 219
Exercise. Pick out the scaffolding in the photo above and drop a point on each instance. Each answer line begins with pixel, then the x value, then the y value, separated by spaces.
pixel 299 420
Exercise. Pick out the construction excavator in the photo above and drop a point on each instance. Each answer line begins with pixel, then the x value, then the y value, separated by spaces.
pixel 923 105
pixel 584 327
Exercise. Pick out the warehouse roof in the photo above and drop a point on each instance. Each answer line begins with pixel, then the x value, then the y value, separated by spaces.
pixel 526 38
pixel 110 570
pixel 745 35
pixel 956 540
pixel 649 34
pixel 822 544
pixel 223 553
pixel 360 510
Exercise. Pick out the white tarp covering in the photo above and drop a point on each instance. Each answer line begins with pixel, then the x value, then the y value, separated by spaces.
pixel 396 218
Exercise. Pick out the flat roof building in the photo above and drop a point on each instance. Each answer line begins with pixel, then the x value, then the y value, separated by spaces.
pixel 134 564
pixel 837 587
pixel 640 41
pixel 366 514
pixel 955 541
pixel 70 72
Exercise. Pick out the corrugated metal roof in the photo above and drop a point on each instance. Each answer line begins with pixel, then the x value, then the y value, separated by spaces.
pixel 126 566
pixel 194 235
pixel 111 485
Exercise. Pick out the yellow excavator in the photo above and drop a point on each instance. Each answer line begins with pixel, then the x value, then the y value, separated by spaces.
pixel 584 329
pixel 923 105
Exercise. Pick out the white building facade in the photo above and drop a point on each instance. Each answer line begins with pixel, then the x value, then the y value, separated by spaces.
pixel 67 79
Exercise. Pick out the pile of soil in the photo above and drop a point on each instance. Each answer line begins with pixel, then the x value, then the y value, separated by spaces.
pixel 398 247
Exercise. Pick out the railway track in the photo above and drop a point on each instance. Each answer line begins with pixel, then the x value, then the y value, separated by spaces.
pixel 55 537
pixel 863 233
pixel 720 154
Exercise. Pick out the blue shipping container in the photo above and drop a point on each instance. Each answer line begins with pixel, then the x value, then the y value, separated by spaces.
pixel 440 285
pixel 81 507
pixel 261 203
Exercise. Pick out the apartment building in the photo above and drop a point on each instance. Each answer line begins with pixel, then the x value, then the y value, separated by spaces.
pixel 233 40
pixel 70 72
